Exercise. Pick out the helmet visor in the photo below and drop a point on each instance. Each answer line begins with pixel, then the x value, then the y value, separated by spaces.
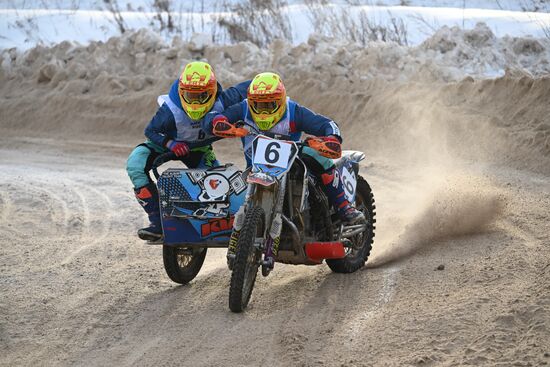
pixel 196 97
pixel 264 107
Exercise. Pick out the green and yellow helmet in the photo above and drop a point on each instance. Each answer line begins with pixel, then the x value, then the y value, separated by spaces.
pixel 197 89
pixel 266 100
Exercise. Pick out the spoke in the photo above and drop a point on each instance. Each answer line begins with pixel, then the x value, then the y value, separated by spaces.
pixel 183 259
pixel 359 239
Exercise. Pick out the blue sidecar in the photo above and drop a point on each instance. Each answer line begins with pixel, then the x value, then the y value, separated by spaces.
pixel 197 209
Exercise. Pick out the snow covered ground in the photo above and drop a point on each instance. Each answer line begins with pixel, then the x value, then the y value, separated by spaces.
pixel 518 5
pixel 24 24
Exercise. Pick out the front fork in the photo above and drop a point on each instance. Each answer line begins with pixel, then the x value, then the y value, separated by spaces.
pixel 273 237
pixel 274 207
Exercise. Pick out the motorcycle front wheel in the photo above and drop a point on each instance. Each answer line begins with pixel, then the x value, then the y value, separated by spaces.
pixel 247 260
pixel 182 264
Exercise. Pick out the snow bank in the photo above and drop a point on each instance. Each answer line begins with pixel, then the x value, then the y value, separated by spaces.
pixel 450 54
pixel 23 24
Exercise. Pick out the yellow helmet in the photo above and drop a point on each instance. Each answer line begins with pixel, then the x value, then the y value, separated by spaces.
pixel 197 89
pixel 266 100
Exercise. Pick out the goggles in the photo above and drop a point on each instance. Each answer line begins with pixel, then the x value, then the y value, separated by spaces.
pixel 196 97
pixel 264 107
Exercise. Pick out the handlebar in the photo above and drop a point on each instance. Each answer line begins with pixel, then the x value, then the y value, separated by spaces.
pixel 160 160
pixel 242 128
pixel 253 130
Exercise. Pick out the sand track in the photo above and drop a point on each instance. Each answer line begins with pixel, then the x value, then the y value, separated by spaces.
pixel 93 294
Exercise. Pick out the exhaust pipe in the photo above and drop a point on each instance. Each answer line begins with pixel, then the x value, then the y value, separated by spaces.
pixel 318 251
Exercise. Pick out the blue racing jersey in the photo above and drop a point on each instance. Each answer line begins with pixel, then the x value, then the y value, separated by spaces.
pixel 296 120
pixel 172 123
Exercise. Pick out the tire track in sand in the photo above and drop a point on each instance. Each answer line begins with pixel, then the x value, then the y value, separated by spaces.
pixel 327 308
pixel 357 324
pixel 6 205
pixel 528 239
pixel 92 232
pixel 34 193
pixel 84 209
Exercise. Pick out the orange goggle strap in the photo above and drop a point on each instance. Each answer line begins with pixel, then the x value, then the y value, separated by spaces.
pixel 223 128
pixel 329 148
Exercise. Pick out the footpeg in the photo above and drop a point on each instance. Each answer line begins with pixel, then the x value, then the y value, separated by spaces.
pixel 267 265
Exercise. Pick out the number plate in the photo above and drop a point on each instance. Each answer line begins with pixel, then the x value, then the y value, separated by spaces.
pixel 272 152
pixel 349 182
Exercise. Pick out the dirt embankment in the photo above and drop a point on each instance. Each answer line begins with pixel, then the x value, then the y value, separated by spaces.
pixel 388 99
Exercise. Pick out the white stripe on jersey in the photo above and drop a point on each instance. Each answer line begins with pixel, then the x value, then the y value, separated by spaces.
pixel 335 129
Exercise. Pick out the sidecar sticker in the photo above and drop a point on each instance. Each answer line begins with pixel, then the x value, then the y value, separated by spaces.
pixel 198 205
pixel 270 170
pixel 171 188
pixel 237 183
pixel 216 226
pixel 215 187
pixel 196 176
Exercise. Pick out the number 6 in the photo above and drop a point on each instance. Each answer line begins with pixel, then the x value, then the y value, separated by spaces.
pixel 270 149
pixel 348 185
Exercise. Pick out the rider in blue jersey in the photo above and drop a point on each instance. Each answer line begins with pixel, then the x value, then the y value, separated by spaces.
pixel 268 108
pixel 177 127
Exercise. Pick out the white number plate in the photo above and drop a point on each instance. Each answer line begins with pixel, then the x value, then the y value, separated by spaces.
pixel 349 182
pixel 272 152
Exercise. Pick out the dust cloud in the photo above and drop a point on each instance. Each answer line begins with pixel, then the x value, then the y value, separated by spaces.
pixel 460 206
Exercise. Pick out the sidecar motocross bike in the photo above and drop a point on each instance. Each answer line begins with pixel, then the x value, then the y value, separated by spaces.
pixel 287 218
pixel 284 214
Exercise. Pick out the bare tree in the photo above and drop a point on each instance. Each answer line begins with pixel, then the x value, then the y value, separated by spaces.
pixel 542 6
pixel 164 16
pixel 114 8
pixel 359 27
pixel 257 21
pixel 538 6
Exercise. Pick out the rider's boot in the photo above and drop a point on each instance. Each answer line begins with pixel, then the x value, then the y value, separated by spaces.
pixel 334 189
pixel 148 198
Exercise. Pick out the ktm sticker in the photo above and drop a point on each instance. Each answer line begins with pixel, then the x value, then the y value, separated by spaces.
pixel 216 225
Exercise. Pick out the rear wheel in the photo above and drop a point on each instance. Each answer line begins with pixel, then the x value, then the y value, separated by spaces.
pixel 182 264
pixel 358 254
pixel 247 260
